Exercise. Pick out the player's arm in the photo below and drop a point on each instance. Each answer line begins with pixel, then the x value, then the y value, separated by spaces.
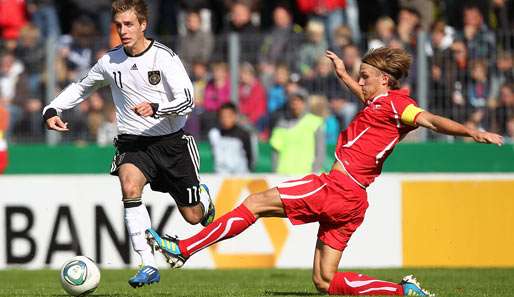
pixel 344 76
pixel 181 87
pixel 446 126
pixel 72 95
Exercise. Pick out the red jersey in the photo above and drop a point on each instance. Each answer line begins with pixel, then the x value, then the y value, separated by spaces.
pixel 371 136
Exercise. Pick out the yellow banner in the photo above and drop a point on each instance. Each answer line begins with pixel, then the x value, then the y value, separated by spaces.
pixel 458 223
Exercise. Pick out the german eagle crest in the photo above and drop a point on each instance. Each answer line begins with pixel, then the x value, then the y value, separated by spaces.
pixel 154 77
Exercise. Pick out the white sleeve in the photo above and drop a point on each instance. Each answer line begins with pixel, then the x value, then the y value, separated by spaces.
pixel 75 93
pixel 176 78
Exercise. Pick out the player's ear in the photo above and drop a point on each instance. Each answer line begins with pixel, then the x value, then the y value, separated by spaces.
pixel 384 78
pixel 143 26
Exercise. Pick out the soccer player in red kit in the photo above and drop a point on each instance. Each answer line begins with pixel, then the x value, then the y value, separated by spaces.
pixel 338 199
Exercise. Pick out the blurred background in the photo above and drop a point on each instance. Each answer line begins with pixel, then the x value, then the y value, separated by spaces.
pixel 257 54
pixel 258 68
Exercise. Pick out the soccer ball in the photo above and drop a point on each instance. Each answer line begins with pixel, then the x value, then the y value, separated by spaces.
pixel 79 276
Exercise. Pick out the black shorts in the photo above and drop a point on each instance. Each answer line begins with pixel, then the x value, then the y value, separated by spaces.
pixel 170 163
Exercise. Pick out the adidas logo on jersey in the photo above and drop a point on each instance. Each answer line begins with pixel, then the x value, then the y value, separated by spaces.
pixel 134 67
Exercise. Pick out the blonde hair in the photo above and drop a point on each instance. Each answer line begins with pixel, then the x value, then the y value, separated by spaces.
pixel 140 7
pixel 392 61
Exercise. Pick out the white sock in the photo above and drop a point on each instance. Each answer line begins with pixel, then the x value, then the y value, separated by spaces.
pixel 205 201
pixel 137 220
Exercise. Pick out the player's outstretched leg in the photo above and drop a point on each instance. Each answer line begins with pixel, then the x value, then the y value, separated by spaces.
pixel 227 226
pixel 146 275
pixel 210 211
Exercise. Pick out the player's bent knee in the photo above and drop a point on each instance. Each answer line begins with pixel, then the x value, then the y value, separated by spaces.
pixel 193 219
pixel 192 214
pixel 264 203
pixel 131 190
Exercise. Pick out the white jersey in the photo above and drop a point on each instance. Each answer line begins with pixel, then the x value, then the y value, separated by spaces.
pixel 156 76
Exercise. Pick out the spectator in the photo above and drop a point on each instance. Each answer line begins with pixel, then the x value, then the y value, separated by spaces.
pixel 441 70
pixel 95 114
pixel 384 33
pixel 195 44
pixel 280 44
pixel 504 72
pixel 10 73
pixel 319 106
pixel 424 8
pixel 480 41
pixel 12 19
pixel 342 37
pixel 99 13
pixel 252 98
pixel 44 16
pixel 77 49
pixel 31 52
pixel 4 122
pixel 312 49
pixel 108 129
pixel 233 148
pixel 199 78
pixel 479 87
pixel 277 97
pixel 503 14
pixel 241 22
pixel 329 12
pixel 409 22
pixel 351 57
pixel 505 109
pixel 298 139
pixel 460 78
pixel 323 82
pixel 217 92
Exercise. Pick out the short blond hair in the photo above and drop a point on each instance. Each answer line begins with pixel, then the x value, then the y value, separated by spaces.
pixel 140 8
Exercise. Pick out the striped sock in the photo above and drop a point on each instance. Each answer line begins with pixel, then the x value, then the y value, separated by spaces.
pixel 227 226
pixel 356 284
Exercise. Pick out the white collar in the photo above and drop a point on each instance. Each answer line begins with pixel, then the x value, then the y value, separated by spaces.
pixel 378 96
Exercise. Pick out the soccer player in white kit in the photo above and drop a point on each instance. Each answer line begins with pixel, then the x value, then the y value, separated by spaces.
pixel 153 96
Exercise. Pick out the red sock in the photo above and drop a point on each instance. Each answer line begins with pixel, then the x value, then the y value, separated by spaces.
pixel 229 225
pixel 350 283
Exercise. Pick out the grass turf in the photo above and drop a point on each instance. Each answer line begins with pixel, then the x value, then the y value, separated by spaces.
pixel 265 282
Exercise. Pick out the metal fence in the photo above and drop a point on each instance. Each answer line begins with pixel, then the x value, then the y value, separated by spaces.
pixel 467 81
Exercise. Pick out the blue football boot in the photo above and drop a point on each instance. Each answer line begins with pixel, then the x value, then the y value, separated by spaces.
pixel 146 275
pixel 168 246
pixel 411 287
pixel 211 212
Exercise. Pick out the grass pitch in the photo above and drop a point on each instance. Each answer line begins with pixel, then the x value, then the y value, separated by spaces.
pixel 265 282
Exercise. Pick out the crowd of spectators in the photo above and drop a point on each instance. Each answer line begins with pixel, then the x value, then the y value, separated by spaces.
pixel 470 50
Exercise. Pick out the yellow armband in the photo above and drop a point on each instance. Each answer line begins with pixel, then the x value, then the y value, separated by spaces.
pixel 410 113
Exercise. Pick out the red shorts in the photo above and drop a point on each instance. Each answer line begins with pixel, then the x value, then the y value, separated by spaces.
pixel 333 200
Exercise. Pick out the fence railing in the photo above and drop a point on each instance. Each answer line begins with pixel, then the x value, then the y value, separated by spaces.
pixel 470 82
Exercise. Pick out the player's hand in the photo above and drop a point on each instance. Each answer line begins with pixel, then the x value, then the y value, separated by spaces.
pixel 55 123
pixel 144 109
pixel 336 61
pixel 488 137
